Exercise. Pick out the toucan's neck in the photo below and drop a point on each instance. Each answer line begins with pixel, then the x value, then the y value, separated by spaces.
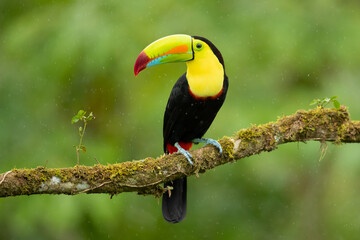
pixel 205 75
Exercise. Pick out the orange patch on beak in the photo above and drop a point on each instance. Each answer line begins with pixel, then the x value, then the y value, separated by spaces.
pixel 177 49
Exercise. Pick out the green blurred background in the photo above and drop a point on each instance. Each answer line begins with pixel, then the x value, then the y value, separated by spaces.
pixel 57 57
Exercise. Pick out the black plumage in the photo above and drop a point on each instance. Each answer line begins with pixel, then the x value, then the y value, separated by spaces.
pixel 187 117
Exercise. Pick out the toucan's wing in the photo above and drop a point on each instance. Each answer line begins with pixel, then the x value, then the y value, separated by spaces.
pixel 175 108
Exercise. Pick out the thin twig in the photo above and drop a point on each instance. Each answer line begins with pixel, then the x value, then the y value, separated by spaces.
pixel 2 180
pixel 90 189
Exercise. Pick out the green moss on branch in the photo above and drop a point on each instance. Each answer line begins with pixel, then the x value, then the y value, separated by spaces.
pixel 145 176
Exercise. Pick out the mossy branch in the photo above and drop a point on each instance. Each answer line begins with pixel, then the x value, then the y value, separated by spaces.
pixel 145 176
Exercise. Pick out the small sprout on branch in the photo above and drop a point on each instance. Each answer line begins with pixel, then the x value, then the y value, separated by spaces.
pixel 325 101
pixel 80 116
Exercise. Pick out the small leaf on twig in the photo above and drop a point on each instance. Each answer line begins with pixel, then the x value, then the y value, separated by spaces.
pixel 78 116
pixel 336 104
pixel 325 101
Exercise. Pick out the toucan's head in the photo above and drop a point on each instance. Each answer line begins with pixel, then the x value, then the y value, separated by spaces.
pixel 176 48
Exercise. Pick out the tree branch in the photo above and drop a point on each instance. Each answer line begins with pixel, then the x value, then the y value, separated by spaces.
pixel 145 176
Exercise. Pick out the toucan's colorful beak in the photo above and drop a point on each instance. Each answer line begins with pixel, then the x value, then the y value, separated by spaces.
pixel 174 48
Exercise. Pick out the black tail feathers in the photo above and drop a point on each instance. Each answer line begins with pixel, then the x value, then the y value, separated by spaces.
pixel 174 206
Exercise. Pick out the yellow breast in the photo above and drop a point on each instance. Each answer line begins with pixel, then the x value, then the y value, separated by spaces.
pixel 205 74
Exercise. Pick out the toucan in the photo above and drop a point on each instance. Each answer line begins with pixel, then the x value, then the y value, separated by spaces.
pixel 193 104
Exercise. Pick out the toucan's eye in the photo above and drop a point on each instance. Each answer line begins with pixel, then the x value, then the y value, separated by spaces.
pixel 198 45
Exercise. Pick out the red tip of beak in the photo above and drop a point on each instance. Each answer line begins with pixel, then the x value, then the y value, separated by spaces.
pixel 141 63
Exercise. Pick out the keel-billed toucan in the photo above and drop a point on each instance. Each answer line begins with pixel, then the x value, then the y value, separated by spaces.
pixel 192 106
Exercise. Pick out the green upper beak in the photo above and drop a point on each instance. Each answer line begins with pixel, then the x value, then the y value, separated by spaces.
pixel 173 48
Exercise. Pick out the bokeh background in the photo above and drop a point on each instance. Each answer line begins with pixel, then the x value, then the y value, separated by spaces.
pixel 57 57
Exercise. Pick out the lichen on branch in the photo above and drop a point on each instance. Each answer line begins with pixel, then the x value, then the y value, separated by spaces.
pixel 145 176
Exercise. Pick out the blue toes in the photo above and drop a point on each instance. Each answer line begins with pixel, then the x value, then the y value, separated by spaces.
pixel 184 152
pixel 209 141
pixel 198 140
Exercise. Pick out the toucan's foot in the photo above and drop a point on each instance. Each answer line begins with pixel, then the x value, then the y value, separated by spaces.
pixel 184 152
pixel 209 141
